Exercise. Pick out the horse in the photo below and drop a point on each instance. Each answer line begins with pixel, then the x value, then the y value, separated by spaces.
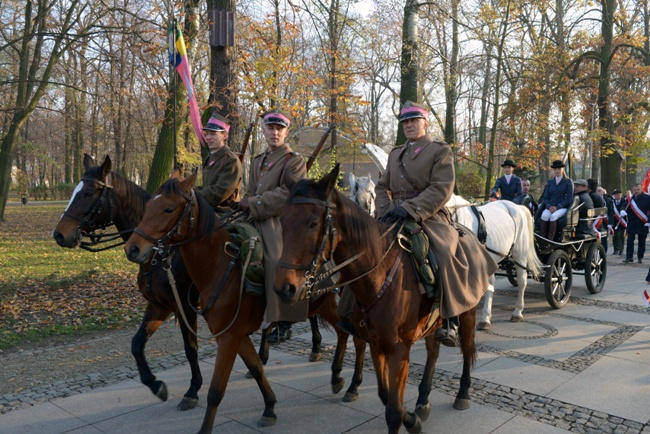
pixel 320 222
pixel 177 217
pixel 509 229
pixel 104 198
pixel 509 235
pixel 362 192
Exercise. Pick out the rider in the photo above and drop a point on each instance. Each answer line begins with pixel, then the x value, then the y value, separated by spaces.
pixel 265 199
pixel 222 171
pixel 417 183
pixel 509 184
pixel 558 196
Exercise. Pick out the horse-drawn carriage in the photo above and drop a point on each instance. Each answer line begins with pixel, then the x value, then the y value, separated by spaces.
pixel 570 251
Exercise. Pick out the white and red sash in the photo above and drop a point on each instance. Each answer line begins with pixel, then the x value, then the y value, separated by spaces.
pixel 596 226
pixel 620 221
pixel 636 210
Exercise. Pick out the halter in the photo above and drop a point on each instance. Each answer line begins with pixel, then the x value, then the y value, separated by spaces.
pixel 163 245
pixel 88 219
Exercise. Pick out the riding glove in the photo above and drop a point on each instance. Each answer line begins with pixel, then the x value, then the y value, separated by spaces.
pixel 396 214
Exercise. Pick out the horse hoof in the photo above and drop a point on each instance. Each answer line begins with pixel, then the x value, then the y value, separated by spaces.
pixel 423 411
pixel 267 421
pixel 416 428
pixel 516 318
pixel 187 403
pixel 483 326
pixel 461 404
pixel 338 386
pixel 248 374
pixel 350 397
pixel 162 392
pixel 315 357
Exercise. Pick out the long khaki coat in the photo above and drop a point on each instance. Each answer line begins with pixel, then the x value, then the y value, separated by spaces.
pixel 464 264
pixel 222 178
pixel 267 196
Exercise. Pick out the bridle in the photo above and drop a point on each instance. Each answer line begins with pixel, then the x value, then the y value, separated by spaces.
pixel 329 234
pixel 163 245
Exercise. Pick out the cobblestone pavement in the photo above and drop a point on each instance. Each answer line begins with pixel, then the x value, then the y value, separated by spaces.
pixel 601 339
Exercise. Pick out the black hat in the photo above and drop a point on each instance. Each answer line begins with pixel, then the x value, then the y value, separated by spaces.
pixel 276 116
pixel 217 123
pixel 508 163
pixel 616 190
pixel 557 164
pixel 411 110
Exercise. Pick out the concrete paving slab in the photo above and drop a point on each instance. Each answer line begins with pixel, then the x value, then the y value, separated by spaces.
pixel 43 418
pixel 518 425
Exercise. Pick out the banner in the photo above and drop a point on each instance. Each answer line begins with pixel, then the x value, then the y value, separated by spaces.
pixel 178 59
pixel 646 182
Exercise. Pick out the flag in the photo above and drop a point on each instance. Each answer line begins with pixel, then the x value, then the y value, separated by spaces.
pixel 646 182
pixel 646 297
pixel 178 59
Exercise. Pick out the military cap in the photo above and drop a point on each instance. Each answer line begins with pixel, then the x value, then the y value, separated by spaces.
pixel 411 110
pixel 278 117
pixel 217 123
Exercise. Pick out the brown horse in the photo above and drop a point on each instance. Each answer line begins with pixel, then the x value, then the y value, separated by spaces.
pixel 391 314
pixel 178 217
pixel 102 199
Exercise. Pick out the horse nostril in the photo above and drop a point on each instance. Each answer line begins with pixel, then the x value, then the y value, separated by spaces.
pixel 134 252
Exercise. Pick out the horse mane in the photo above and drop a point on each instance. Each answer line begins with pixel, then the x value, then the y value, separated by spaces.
pixel 456 201
pixel 359 228
pixel 206 218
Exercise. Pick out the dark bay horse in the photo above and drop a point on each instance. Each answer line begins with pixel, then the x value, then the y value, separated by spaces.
pixel 178 218
pixel 104 198
pixel 391 314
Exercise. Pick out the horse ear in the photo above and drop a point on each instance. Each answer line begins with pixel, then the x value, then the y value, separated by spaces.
pixel 88 162
pixel 176 173
pixel 352 179
pixel 187 184
pixel 106 167
pixel 331 178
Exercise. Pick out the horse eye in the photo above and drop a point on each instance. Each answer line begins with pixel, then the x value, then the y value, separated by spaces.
pixel 313 224
pixel 169 210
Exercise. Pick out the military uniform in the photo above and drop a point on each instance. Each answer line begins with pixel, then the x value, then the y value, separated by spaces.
pixel 222 178
pixel 267 196
pixel 464 265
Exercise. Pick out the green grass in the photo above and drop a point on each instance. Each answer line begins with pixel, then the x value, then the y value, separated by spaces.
pixel 47 290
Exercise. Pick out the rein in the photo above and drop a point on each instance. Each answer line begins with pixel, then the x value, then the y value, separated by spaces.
pixel 329 231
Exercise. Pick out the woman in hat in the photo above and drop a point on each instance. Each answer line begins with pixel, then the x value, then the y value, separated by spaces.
pixel 558 196
pixel 508 184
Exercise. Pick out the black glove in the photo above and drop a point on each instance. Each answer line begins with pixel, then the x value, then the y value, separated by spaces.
pixel 396 214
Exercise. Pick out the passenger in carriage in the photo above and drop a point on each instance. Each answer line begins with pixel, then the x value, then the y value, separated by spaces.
pixel 558 196
pixel 607 221
pixel 527 199
pixel 581 189
pixel 509 185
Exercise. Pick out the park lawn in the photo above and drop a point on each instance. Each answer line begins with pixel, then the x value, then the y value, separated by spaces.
pixel 47 290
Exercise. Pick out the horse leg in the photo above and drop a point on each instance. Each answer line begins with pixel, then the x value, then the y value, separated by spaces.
pixel 191 397
pixel 468 348
pixel 255 367
pixel 486 313
pixel 422 405
pixel 352 394
pixel 522 280
pixel 263 352
pixel 316 339
pixel 398 366
pixel 154 316
pixel 227 346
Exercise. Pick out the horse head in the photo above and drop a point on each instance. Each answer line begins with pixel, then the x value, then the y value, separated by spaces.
pixel 168 218
pixel 307 234
pixel 90 207
pixel 362 192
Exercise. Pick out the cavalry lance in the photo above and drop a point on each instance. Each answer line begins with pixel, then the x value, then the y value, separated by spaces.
pixel 247 139
pixel 320 144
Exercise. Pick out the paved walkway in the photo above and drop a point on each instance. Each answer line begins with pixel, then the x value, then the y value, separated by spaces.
pixel 583 368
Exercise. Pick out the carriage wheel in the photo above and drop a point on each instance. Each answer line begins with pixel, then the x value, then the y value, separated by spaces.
pixel 595 268
pixel 511 273
pixel 558 279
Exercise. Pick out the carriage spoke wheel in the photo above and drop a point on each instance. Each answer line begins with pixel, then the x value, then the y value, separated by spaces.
pixel 558 279
pixel 511 273
pixel 595 268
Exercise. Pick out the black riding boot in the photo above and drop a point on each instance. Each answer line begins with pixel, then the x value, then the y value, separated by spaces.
pixel 448 334
pixel 552 228
pixel 543 228
pixel 281 333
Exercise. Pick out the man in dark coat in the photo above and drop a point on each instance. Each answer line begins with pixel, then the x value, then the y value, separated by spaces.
pixel 526 199
pixel 222 171
pixel 599 202
pixel 508 184
pixel 618 221
pixel 580 187
pixel 638 209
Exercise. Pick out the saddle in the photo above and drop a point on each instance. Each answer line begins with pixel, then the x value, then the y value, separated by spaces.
pixel 247 240
pixel 415 241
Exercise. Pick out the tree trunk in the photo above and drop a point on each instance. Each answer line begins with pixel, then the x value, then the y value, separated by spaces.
pixel 451 92
pixel 409 90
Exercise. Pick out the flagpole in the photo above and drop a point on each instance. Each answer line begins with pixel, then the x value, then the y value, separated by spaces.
pixel 174 24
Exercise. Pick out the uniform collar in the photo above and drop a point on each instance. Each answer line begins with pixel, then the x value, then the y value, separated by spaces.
pixel 415 148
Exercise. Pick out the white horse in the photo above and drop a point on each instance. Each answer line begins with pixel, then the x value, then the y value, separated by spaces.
pixel 509 229
pixel 362 192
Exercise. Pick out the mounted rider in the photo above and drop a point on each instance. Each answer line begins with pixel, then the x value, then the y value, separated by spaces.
pixel 222 171
pixel 265 199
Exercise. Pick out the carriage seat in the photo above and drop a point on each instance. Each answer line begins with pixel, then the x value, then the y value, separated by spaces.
pixel 593 215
